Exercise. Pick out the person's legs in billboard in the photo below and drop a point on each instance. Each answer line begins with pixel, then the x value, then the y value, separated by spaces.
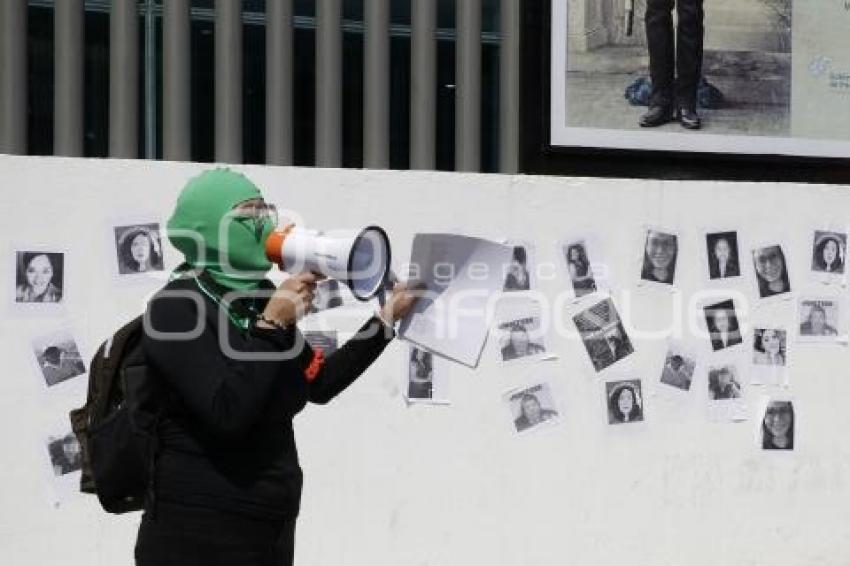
pixel 662 62
pixel 689 46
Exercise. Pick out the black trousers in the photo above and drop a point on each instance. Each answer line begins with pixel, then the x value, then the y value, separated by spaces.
pixel 675 59
pixel 180 535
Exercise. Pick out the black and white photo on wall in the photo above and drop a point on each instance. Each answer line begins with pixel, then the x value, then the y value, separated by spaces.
pixel 770 347
pixel 624 401
pixel 57 357
pixel 723 326
pixel 520 270
pixel 777 425
pixel 770 355
pixel 660 255
pixel 39 277
pixel 724 381
pixel 722 255
pixel 65 454
pixel 829 252
pixel 771 267
pixel 532 407
pixel 138 248
pixel 820 319
pixel 603 334
pixel 679 365
pixel 420 376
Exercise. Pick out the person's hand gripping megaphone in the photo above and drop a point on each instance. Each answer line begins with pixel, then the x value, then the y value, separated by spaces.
pixel 291 300
pixel 358 258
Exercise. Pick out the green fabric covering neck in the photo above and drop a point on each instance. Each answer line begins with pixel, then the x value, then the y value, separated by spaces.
pixel 208 234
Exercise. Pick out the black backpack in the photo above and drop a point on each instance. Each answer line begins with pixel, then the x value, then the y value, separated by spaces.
pixel 117 427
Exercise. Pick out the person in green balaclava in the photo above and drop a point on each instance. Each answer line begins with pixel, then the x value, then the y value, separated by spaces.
pixel 227 486
pixel 220 224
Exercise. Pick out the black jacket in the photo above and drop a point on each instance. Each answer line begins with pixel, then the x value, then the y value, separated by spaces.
pixel 227 438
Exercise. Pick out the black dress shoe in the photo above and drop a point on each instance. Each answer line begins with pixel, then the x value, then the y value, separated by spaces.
pixel 657 116
pixel 689 119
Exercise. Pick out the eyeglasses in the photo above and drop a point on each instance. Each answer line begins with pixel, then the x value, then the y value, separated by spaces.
pixel 258 211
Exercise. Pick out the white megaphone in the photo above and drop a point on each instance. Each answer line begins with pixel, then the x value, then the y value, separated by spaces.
pixel 358 258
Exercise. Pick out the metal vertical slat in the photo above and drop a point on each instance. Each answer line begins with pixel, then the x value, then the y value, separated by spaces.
pixel 423 85
pixel 228 81
pixel 13 76
pixel 329 83
pixel 176 85
pixel 376 84
pixel 468 93
pixel 69 49
pixel 279 73
pixel 124 79
pixel 509 54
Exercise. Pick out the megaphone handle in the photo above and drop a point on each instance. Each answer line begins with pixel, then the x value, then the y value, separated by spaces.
pixel 388 282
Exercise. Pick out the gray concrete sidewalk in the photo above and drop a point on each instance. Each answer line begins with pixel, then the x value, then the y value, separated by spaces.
pixel 756 87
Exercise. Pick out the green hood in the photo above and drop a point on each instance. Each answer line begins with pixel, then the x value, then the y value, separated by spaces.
pixel 231 249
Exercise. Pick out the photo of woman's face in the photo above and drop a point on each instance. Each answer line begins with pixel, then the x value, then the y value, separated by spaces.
pixel 770 264
pixel 531 409
pixel 575 255
pixel 660 249
pixel 722 321
pixel 724 378
pixel 830 251
pixel 770 342
pixel 140 248
pixel 722 250
pixel 817 318
pixel 519 339
pixel 626 401
pixel 777 421
pixel 39 272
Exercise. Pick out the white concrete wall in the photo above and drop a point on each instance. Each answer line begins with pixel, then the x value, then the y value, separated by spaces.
pixel 391 485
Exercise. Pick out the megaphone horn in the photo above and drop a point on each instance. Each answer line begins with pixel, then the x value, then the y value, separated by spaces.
pixel 358 258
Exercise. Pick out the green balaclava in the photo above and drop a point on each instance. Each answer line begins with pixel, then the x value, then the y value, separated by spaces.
pixel 232 248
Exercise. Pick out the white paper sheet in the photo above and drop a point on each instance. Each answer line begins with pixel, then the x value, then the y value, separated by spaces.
pixel 463 277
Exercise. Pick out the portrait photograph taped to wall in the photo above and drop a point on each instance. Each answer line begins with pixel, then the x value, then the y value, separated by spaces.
pixel 679 365
pixel 426 379
pixel 726 76
pixel 58 357
pixel 39 277
pixel 520 272
pixel 771 268
pixel 721 320
pixel 624 401
pixel 821 319
pixel 726 396
pixel 65 454
pixel 532 407
pixel 770 355
pixel 777 425
pixel 583 269
pixel 420 377
pixel 829 256
pixel 138 248
pixel 722 255
pixel 660 255
pixel 603 334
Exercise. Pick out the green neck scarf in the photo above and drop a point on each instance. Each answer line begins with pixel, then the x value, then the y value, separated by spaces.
pixel 212 239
